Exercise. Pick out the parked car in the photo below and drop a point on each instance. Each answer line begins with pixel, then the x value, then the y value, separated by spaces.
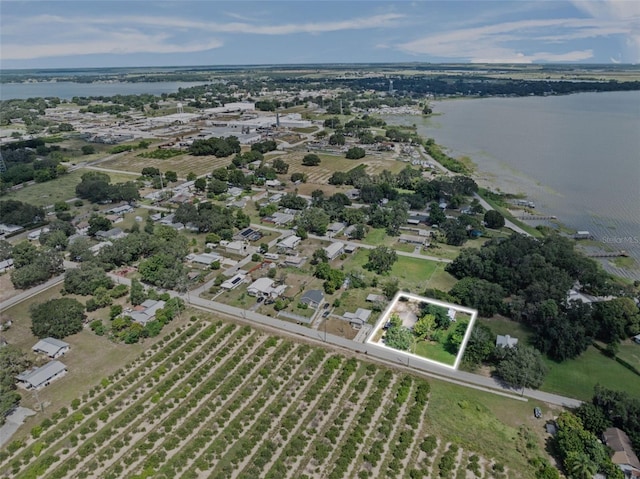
pixel 537 412
pixel 325 306
pixel 325 314
pixel 260 299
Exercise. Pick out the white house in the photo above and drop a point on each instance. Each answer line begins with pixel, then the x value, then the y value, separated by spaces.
pixel 54 348
pixel 235 247
pixel 359 318
pixel 289 243
pixel 146 312
pixel 265 287
pixel 334 250
pixel 233 282
pixel 38 378
pixel 205 258
pixel 506 341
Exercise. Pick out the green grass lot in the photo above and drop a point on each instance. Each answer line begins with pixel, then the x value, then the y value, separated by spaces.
pixel 412 273
pixel 578 377
pixel 434 351
pixel 485 423
pixel 91 357
pixel 630 352
pixel 376 237
pixel 182 165
pixel 60 189
pixel 440 279
pixel 331 163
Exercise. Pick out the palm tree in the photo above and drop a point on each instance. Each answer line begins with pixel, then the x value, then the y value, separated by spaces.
pixel 580 466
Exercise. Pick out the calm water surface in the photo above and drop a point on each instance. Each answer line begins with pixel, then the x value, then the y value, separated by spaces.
pixel 575 156
pixel 67 90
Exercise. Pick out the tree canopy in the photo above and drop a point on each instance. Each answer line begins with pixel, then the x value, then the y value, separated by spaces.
pixel 57 318
pixel 381 259
pixel 522 366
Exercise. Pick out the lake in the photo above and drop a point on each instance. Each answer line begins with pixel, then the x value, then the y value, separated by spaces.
pixel 67 90
pixel 575 156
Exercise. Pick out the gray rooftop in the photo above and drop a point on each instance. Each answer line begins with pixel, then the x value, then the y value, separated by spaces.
pixel 50 346
pixel 38 376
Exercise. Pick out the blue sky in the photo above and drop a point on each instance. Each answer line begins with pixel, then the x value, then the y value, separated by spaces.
pixel 98 33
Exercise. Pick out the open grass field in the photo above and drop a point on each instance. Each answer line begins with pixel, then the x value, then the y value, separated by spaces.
pixel 60 189
pixel 182 165
pixel 214 399
pixel 413 274
pixel 577 377
pixel 91 357
pixel 433 351
pixel 630 352
pixel 331 163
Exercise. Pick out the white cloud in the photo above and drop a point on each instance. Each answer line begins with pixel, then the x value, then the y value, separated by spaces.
pixel 495 43
pixel 80 35
pixel 113 43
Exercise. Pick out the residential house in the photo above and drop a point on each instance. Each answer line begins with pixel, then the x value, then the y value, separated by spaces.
pixel 334 250
pixel 413 239
pixel 623 455
pixel 636 338
pixel 289 243
pixel 350 248
pixel 264 287
pixel 294 261
pixel 272 183
pixel 37 378
pixel 8 229
pixel 235 247
pixel 375 298
pixel 5 265
pixel 506 341
pixel 52 347
pixel 335 228
pixel 113 233
pixel 205 258
pixel 234 281
pixel 359 318
pixel 121 210
pixel 281 219
pixel 313 298
pixel 146 312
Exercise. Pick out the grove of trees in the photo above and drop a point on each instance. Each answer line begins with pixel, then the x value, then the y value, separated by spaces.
pixel 57 318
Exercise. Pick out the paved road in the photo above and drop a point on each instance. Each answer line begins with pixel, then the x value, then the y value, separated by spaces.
pixel 24 295
pixel 359 245
pixel 509 224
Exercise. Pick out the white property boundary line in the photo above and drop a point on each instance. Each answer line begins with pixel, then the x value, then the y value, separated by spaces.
pixel 422 299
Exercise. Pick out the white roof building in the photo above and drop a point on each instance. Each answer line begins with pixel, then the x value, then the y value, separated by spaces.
pixel 234 282
pixel 54 348
pixel 38 378
pixel 205 258
pixel 359 318
pixel 506 341
pixel 290 242
pixel 334 250
pixel 265 287
pixel 147 311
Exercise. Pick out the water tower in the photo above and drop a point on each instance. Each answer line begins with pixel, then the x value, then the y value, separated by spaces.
pixel 390 87
pixel 179 109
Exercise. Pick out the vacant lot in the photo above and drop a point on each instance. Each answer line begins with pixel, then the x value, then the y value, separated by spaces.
pixel 219 400
pixel 331 163
pixel 182 165
pixel 576 377
pixel 60 189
